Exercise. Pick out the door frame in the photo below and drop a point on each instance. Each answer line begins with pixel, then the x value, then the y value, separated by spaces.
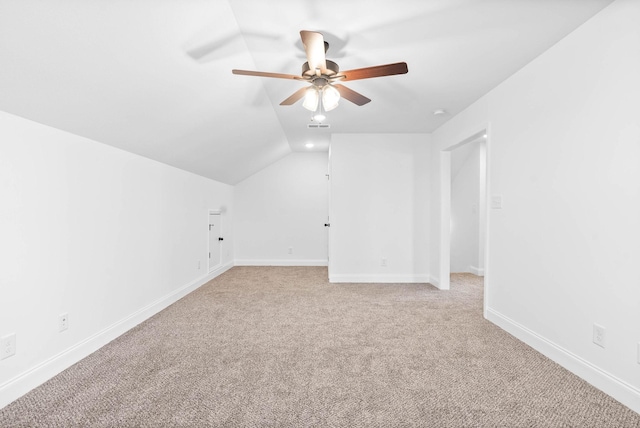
pixel 445 210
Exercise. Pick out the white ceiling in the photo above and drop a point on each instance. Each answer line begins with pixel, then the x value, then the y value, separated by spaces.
pixel 153 77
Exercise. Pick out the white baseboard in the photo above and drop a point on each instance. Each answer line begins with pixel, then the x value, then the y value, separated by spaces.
pixel 385 278
pixel 606 382
pixel 476 270
pixel 21 384
pixel 435 281
pixel 281 262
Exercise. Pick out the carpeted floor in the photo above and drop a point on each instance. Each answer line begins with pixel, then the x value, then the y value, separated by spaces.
pixel 281 347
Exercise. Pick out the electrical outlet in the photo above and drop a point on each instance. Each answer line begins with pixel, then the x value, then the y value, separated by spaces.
pixel 7 346
pixel 63 322
pixel 198 264
pixel 290 250
pixel 599 335
pixel 383 262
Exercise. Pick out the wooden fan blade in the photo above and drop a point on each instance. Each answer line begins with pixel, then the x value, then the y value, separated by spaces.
pixel 297 95
pixel 351 95
pixel 376 71
pixel 313 43
pixel 265 74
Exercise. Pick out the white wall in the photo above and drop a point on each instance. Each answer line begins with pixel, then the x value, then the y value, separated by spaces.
pixel 379 208
pixel 564 153
pixel 465 209
pixel 104 235
pixel 283 206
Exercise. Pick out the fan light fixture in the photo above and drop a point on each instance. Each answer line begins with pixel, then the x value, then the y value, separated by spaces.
pixel 321 100
pixel 311 98
pixel 330 98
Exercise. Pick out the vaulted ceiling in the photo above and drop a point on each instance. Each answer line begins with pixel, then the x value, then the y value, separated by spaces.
pixel 153 77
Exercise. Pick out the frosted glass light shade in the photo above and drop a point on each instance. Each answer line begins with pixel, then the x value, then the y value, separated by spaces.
pixel 319 117
pixel 311 98
pixel 330 98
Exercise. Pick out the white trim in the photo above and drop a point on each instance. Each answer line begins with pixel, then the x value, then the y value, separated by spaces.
pixel 476 271
pixel 606 382
pixel 445 219
pixel 24 382
pixel 444 267
pixel 385 278
pixel 487 220
pixel 222 268
pixel 435 281
pixel 282 262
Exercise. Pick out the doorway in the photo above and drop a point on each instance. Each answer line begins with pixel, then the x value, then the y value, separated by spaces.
pixel 479 141
pixel 468 195
pixel 215 240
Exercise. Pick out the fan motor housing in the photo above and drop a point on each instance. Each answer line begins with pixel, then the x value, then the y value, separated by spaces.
pixel 332 69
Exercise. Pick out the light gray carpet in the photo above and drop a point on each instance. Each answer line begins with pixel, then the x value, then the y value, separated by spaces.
pixel 281 347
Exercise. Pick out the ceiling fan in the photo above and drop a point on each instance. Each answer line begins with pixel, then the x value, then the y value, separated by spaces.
pixel 324 93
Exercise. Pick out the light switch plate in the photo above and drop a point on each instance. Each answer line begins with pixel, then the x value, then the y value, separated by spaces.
pixel 496 202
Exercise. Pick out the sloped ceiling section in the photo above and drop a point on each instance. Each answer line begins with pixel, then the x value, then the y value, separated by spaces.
pixel 121 73
pixel 153 77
